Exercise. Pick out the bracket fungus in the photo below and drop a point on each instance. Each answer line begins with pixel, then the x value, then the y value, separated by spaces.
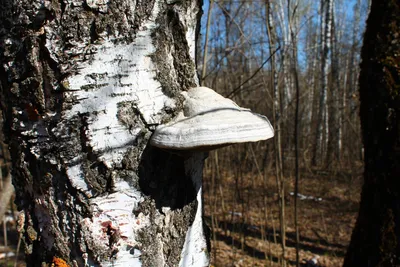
pixel 208 121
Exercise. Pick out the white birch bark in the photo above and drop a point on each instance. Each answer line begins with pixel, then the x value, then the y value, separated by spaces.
pixel 86 83
pixel 285 58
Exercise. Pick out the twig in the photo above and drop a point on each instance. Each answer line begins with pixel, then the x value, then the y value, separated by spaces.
pixel 18 247
pixel 237 89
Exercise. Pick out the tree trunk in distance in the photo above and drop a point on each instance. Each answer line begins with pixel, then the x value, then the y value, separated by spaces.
pixel 334 145
pixel 83 84
pixel 280 179
pixel 321 138
pixel 375 240
pixel 205 55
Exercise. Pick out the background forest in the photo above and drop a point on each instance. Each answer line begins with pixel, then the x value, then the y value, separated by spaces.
pixel 263 54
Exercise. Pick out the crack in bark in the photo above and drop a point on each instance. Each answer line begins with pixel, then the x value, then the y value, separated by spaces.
pixel 183 64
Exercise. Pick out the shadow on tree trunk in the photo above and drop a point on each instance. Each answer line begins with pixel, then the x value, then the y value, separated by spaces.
pixel 162 177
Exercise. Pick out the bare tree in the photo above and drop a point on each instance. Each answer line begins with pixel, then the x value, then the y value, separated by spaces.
pixel 280 182
pixel 334 147
pixel 205 55
pixel 295 73
pixel 322 129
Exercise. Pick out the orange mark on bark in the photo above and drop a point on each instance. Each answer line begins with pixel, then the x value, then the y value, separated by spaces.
pixel 58 262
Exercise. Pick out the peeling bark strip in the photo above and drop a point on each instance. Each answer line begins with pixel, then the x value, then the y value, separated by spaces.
pixel 83 84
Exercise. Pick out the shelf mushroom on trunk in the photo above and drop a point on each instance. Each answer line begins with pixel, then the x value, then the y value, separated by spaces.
pixel 207 121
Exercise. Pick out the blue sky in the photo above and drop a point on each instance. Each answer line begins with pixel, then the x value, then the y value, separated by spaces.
pixel 347 7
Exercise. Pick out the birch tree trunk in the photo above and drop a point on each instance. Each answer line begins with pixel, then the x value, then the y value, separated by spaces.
pixel 205 56
pixel 277 112
pixel 334 146
pixel 326 22
pixel 285 58
pixel 353 79
pixel 293 28
pixel 83 84
pixel 311 78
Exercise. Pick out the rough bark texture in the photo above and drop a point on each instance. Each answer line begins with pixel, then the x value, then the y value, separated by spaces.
pixel 83 84
pixel 375 240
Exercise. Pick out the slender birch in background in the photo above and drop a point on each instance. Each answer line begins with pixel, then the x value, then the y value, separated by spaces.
pixel 205 52
pixel 312 54
pixel 354 60
pixel 321 138
pixel 277 104
pixel 285 55
pixel 334 146
pixel 293 22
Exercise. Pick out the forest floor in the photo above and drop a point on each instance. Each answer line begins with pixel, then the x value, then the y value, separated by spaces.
pixel 243 215
pixel 242 212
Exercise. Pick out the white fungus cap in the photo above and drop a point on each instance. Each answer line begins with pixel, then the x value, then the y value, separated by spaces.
pixel 208 121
